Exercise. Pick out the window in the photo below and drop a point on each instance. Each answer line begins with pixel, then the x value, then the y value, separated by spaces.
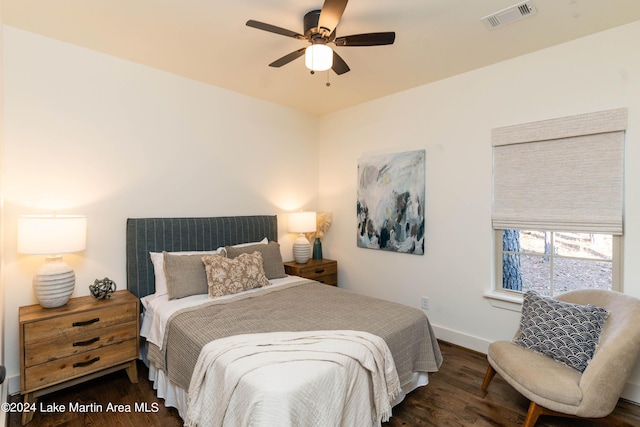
pixel 557 212
pixel 553 262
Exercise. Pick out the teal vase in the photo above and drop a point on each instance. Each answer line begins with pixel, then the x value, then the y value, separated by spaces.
pixel 317 249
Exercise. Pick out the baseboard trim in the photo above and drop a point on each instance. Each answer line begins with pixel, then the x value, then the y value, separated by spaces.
pixel 463 340
pixel 12 384
pixel 631 391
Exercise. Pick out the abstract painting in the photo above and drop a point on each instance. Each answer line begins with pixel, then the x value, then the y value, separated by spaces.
pixel 391 202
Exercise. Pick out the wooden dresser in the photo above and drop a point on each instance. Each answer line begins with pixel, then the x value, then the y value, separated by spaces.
pixel 322 270
pixel 79 341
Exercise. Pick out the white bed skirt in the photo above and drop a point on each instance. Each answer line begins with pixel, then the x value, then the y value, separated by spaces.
pixel 176 397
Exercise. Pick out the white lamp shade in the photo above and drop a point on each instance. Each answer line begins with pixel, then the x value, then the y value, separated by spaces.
pixel 302 222
pixel 51 235
pixel 318 57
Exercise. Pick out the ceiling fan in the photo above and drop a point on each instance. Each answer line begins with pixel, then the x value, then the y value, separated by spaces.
pixel 320 30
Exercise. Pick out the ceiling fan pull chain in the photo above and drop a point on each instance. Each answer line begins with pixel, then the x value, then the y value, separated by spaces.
pixel 328 83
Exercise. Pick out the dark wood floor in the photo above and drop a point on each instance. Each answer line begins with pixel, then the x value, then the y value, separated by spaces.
pixel 452 398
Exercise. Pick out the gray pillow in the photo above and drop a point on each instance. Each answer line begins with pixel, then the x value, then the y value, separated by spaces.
pixel 271 257
pixel 185 275
pixel 564 331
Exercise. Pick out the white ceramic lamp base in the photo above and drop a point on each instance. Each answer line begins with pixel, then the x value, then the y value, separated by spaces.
pixel 53 283
pixel 301 249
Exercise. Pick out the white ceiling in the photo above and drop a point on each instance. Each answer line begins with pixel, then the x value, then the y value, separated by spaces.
pixel 209 42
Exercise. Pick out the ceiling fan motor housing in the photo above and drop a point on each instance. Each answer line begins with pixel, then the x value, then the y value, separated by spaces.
pixel 310 22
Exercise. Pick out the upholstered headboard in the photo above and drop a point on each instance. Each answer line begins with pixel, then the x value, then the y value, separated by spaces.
pixel 146 235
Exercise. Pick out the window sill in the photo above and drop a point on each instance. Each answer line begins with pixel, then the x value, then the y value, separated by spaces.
pixel 505 300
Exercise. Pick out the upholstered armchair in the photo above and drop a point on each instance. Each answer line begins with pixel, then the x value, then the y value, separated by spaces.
pixel 559 390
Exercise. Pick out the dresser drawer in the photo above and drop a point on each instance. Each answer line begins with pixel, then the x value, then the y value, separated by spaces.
pixel 45 351
pixel 73 327
pixel 316 272
pixel 323 270
pixel 70 367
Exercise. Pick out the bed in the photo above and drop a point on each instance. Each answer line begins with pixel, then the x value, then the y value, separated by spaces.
pixel 294 321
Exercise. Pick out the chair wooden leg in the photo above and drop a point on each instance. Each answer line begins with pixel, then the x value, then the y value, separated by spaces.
pixel 536 411
pixel 533 414
pixel 488 377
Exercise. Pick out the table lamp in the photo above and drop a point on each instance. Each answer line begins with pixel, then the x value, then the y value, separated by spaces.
pixel 52 236
pixel 302 222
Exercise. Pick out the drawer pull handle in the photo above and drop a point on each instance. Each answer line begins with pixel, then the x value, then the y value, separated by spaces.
pixel 87 363
pixel 87 342
pixel 88 322
pixel 320 271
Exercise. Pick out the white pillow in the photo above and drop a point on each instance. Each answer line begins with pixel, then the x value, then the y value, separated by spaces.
pixel 223 251
pixel 158 263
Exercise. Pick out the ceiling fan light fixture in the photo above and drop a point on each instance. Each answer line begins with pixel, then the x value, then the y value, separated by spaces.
pixel 318 57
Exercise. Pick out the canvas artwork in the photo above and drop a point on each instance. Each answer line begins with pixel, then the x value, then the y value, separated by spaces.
pixel 391 202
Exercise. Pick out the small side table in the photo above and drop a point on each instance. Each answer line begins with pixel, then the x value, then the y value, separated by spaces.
pixel 322 270
pixel 81 340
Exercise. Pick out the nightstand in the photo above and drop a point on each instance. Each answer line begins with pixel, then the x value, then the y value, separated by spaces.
pixel 322 270
pixel 79 341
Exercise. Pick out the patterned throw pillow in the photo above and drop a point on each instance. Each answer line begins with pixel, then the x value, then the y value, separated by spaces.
pixel 229 276
pixel 566 332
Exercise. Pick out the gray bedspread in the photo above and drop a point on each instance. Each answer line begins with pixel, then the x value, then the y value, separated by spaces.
pixel 300 306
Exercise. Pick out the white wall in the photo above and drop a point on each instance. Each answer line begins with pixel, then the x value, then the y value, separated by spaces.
pixel 452 120
pixel 86 133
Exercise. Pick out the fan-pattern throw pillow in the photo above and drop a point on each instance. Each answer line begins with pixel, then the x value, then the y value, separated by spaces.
pixel 566 332
pixel 229 276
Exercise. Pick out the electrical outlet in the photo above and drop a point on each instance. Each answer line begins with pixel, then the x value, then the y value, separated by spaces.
pixel 424 303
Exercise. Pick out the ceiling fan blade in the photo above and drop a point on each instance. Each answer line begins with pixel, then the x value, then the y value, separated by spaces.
pixel 273 29
pixel 369 39
pixel 339 66
pixel 288 58
pixel 330 15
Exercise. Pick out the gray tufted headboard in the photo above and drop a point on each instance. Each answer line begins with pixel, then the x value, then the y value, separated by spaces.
pixel 146 235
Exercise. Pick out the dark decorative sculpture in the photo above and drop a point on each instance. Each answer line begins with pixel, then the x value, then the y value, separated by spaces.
pixel 102 289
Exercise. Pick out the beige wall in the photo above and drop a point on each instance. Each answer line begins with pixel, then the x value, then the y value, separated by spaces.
pixel 452 120
pixel 90 134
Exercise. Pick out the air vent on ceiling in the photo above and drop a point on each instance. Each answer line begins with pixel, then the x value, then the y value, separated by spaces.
pixel 509 15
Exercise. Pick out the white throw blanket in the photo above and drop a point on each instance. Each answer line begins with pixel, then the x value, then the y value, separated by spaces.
pixel 216 384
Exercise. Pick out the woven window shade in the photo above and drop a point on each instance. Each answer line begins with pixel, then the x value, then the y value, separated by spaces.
pixel 561 174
